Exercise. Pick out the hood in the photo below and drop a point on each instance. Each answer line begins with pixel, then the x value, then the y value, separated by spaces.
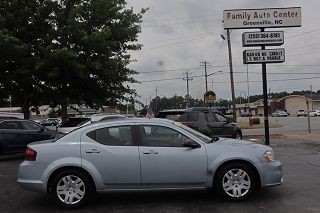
pixel 240 143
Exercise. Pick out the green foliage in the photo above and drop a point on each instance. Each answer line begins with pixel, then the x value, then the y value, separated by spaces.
pixel 68 51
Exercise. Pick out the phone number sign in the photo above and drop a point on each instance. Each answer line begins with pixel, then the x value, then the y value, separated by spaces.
pixel 270 38
pixel 263 56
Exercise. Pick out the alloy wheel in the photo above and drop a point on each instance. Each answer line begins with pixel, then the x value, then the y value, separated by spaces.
pixel 236 183
pixel 70 189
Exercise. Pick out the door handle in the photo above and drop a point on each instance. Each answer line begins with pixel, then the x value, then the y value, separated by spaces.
pixel 150 152
pixel 93 151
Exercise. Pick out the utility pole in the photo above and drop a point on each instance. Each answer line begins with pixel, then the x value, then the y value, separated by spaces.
pixel 231 75
pixel 187 79
pixel 205 64
pixel 156 100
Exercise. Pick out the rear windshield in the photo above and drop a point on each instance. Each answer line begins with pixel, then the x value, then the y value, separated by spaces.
pixel 180 116
pixel 74 122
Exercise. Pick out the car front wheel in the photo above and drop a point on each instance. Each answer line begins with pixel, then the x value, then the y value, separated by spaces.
pixel 71 188
pixel 235 181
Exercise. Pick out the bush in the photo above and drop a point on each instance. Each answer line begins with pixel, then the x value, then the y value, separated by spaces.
pixel 255 121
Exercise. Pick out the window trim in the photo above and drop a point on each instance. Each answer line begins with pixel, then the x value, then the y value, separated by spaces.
pixel 139 137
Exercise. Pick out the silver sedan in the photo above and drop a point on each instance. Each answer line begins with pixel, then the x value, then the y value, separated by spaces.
pixel 145 154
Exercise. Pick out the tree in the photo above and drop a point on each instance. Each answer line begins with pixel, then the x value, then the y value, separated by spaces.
pixel 24 30
pixel 88 57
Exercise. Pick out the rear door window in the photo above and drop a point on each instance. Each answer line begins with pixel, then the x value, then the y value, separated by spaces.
pixel 112 136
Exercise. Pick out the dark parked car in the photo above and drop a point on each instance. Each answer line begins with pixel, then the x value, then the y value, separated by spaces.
pixel 204 120
pixel 50 122
pixel 16 134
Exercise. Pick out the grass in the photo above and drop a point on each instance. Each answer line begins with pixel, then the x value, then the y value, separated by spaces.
pixel 273 123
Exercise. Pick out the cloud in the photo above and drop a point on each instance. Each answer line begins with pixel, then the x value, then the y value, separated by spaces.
pixel 182 33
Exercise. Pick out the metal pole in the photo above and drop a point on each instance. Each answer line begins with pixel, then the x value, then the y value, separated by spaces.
pixel 311 97
pixel 206 76
pixel 308 110
pixel 248 91
pixel 187 90
pixel 265 99
pixel 231 78
pixel 156 100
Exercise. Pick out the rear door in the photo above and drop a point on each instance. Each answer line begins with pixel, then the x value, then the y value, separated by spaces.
pixel 113 152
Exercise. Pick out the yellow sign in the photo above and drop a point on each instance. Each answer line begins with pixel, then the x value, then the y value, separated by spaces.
pixel 210 97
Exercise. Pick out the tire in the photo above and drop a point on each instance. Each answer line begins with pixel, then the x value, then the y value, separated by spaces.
pixel 238 135
pixel 71 188
pixel 232 186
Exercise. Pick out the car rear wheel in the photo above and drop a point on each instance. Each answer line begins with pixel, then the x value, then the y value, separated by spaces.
pixel 235 181
pixel 71 188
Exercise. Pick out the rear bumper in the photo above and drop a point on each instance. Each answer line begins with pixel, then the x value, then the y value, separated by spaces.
pixel 30 176
pixel 270 173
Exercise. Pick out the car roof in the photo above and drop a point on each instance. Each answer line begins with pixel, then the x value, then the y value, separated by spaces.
pixel 193 109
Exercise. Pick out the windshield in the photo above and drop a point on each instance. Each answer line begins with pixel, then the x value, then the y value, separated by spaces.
pixel 75 122
pixel 203 137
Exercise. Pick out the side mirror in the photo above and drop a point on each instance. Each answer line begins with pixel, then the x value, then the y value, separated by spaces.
pixel 191 144
pixel 42 129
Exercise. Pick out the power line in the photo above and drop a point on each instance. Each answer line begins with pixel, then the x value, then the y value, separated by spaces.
pixel 176 43
pixel 239 82
pixel 301 34
pixel 182 23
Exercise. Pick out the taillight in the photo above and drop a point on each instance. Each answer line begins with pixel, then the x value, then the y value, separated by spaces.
pixel 188 124
pixel 31 155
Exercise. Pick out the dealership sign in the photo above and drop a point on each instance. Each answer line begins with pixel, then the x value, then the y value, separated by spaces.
pixel 270 38
pixel 262 18
pixel 263 56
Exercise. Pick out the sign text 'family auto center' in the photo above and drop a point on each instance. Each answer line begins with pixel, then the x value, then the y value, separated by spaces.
pixel 262 18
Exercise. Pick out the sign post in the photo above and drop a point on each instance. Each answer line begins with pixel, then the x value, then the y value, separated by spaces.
pixel 261 19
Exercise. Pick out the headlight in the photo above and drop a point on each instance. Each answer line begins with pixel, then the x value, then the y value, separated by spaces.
pixel 268 156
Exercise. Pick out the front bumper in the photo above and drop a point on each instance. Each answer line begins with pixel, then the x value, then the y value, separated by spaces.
pixel 270 173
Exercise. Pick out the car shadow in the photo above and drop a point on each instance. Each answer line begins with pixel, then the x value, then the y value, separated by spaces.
pixel 11 157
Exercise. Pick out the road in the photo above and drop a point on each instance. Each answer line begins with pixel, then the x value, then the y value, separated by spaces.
pixel 290 124
pixel 299 192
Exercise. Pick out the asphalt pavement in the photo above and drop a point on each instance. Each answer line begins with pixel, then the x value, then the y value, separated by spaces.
pixel 299 192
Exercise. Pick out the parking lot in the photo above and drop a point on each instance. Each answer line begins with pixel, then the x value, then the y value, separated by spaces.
pixel 299 193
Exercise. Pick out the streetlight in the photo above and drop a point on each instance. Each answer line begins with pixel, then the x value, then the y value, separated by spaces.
pixel 210 75
pixel 231 75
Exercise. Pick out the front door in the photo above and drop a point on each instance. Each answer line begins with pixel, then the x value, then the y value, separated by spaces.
pixel 166 163
pixel 111 150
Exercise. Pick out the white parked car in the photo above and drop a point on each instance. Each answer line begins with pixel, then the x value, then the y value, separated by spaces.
pixel 79 121
pixel 314 113
pixel 279 113
pixel 302 112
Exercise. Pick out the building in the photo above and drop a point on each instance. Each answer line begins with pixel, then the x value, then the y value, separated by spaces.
pixel 290 103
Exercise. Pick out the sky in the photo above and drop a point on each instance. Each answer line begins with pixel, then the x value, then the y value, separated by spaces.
pixel 177 35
